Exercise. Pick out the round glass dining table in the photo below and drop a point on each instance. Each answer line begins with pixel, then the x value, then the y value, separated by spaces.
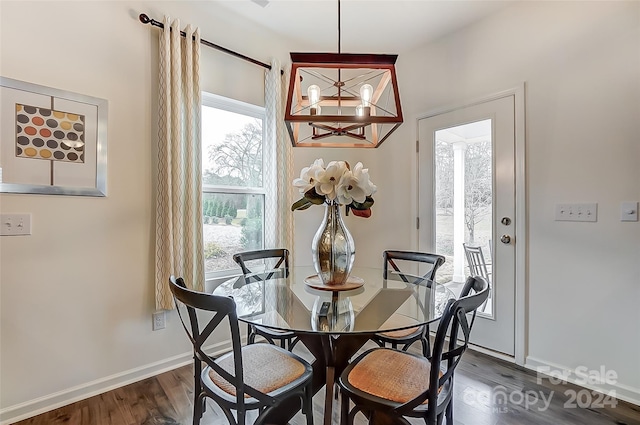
pixel 334 322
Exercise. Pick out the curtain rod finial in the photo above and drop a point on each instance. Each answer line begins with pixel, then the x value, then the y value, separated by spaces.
pixel 144 18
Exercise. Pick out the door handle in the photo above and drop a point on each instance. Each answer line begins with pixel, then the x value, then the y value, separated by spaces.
pixel 505 239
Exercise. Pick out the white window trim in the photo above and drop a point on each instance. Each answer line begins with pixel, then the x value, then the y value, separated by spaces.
pixel 232 105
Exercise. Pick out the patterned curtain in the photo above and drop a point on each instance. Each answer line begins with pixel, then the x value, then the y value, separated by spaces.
pixel 179 246
pixel 278 163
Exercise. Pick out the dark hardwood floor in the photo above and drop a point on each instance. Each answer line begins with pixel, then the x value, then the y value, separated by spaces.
pixel 488 392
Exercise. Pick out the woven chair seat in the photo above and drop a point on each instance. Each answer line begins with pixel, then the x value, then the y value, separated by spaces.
pixel 266 368
pixel 391 375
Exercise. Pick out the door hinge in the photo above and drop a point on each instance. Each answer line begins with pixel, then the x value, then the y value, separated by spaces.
pixel 418 223
pixel 417 146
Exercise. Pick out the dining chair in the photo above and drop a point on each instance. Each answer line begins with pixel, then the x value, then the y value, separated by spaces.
pixel 281 257
pixel 254 377
pixel 394 384
pixel 476 262
pixel 393 260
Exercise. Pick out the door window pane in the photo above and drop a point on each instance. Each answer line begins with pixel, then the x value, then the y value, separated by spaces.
pixel 463 195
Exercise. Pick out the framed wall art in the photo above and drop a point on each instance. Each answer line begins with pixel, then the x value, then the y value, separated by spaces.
pixel 52 141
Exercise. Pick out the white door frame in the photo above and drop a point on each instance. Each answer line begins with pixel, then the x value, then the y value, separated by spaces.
pixel 520 337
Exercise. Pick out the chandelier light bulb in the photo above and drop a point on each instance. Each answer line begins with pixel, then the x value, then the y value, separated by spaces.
pixel 314 95
pixel 366 94
pixel 360 110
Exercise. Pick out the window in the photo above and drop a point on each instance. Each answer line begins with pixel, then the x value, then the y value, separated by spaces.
pixel 233 197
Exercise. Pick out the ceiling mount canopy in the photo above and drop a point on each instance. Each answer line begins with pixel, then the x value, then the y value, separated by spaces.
pixel 342 99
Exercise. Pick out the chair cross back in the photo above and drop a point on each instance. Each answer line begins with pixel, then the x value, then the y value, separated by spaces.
pixel 392 260
pixel 452 322
pixel 391 257
pixel 240 396
pixel 281 254
pixel 287 340
pixel 222 307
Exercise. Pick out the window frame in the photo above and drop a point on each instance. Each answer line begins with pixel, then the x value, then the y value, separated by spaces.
pixel 236 106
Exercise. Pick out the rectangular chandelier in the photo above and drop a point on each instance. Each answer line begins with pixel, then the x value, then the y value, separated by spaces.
pixel 342 100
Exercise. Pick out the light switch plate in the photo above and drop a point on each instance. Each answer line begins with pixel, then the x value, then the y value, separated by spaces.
pixel 629 211
pixel 15 224
pixel 576 212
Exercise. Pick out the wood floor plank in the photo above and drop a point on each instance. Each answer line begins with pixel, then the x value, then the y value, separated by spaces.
pixel 480 380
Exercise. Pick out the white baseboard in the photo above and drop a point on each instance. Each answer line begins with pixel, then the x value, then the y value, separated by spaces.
pixel 622 392
pixel 49 402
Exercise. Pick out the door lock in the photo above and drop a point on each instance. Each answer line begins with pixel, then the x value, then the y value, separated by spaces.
pixel 505 239
pixel 506 221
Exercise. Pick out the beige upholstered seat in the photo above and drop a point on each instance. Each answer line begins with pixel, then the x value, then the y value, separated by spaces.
pixel 265 369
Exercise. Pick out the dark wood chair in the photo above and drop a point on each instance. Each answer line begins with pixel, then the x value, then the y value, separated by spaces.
pixel 392 262
pixel 254 377
pixel 281 257
pixel 390 385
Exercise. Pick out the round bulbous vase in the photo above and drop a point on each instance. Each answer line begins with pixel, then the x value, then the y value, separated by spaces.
pixel 333 249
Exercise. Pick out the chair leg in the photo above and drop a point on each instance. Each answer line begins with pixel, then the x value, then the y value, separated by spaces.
pixel 198 408
pixel 242 417
pixel 308 400
pixel 198 399
pixel 344 409
pixel 449 412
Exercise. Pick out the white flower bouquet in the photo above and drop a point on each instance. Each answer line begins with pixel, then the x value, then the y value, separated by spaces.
pixel 337 183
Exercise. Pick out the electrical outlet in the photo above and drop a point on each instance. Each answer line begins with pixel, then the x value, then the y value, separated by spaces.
pixel 159 320
pixel 577 212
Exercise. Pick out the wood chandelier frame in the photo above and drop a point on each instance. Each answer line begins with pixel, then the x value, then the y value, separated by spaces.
pixel 348 126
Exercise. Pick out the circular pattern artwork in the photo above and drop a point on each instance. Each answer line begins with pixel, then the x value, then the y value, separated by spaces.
pixel 43 133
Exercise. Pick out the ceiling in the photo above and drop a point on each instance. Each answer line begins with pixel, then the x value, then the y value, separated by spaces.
pixel 373 26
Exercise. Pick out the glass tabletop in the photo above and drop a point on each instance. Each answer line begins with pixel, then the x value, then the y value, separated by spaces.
pixel 294 300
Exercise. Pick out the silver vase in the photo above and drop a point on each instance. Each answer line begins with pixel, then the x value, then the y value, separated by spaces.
pixel 333 249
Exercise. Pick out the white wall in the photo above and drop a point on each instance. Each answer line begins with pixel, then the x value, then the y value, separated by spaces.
pixel 581 65
pixel 76 296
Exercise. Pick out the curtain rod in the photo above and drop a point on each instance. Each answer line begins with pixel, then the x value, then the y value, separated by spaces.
pixel 146 20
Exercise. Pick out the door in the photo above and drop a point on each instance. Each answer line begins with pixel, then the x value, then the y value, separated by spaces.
pixel 467 195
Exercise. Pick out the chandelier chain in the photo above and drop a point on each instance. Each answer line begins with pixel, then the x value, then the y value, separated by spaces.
pixel 339 29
